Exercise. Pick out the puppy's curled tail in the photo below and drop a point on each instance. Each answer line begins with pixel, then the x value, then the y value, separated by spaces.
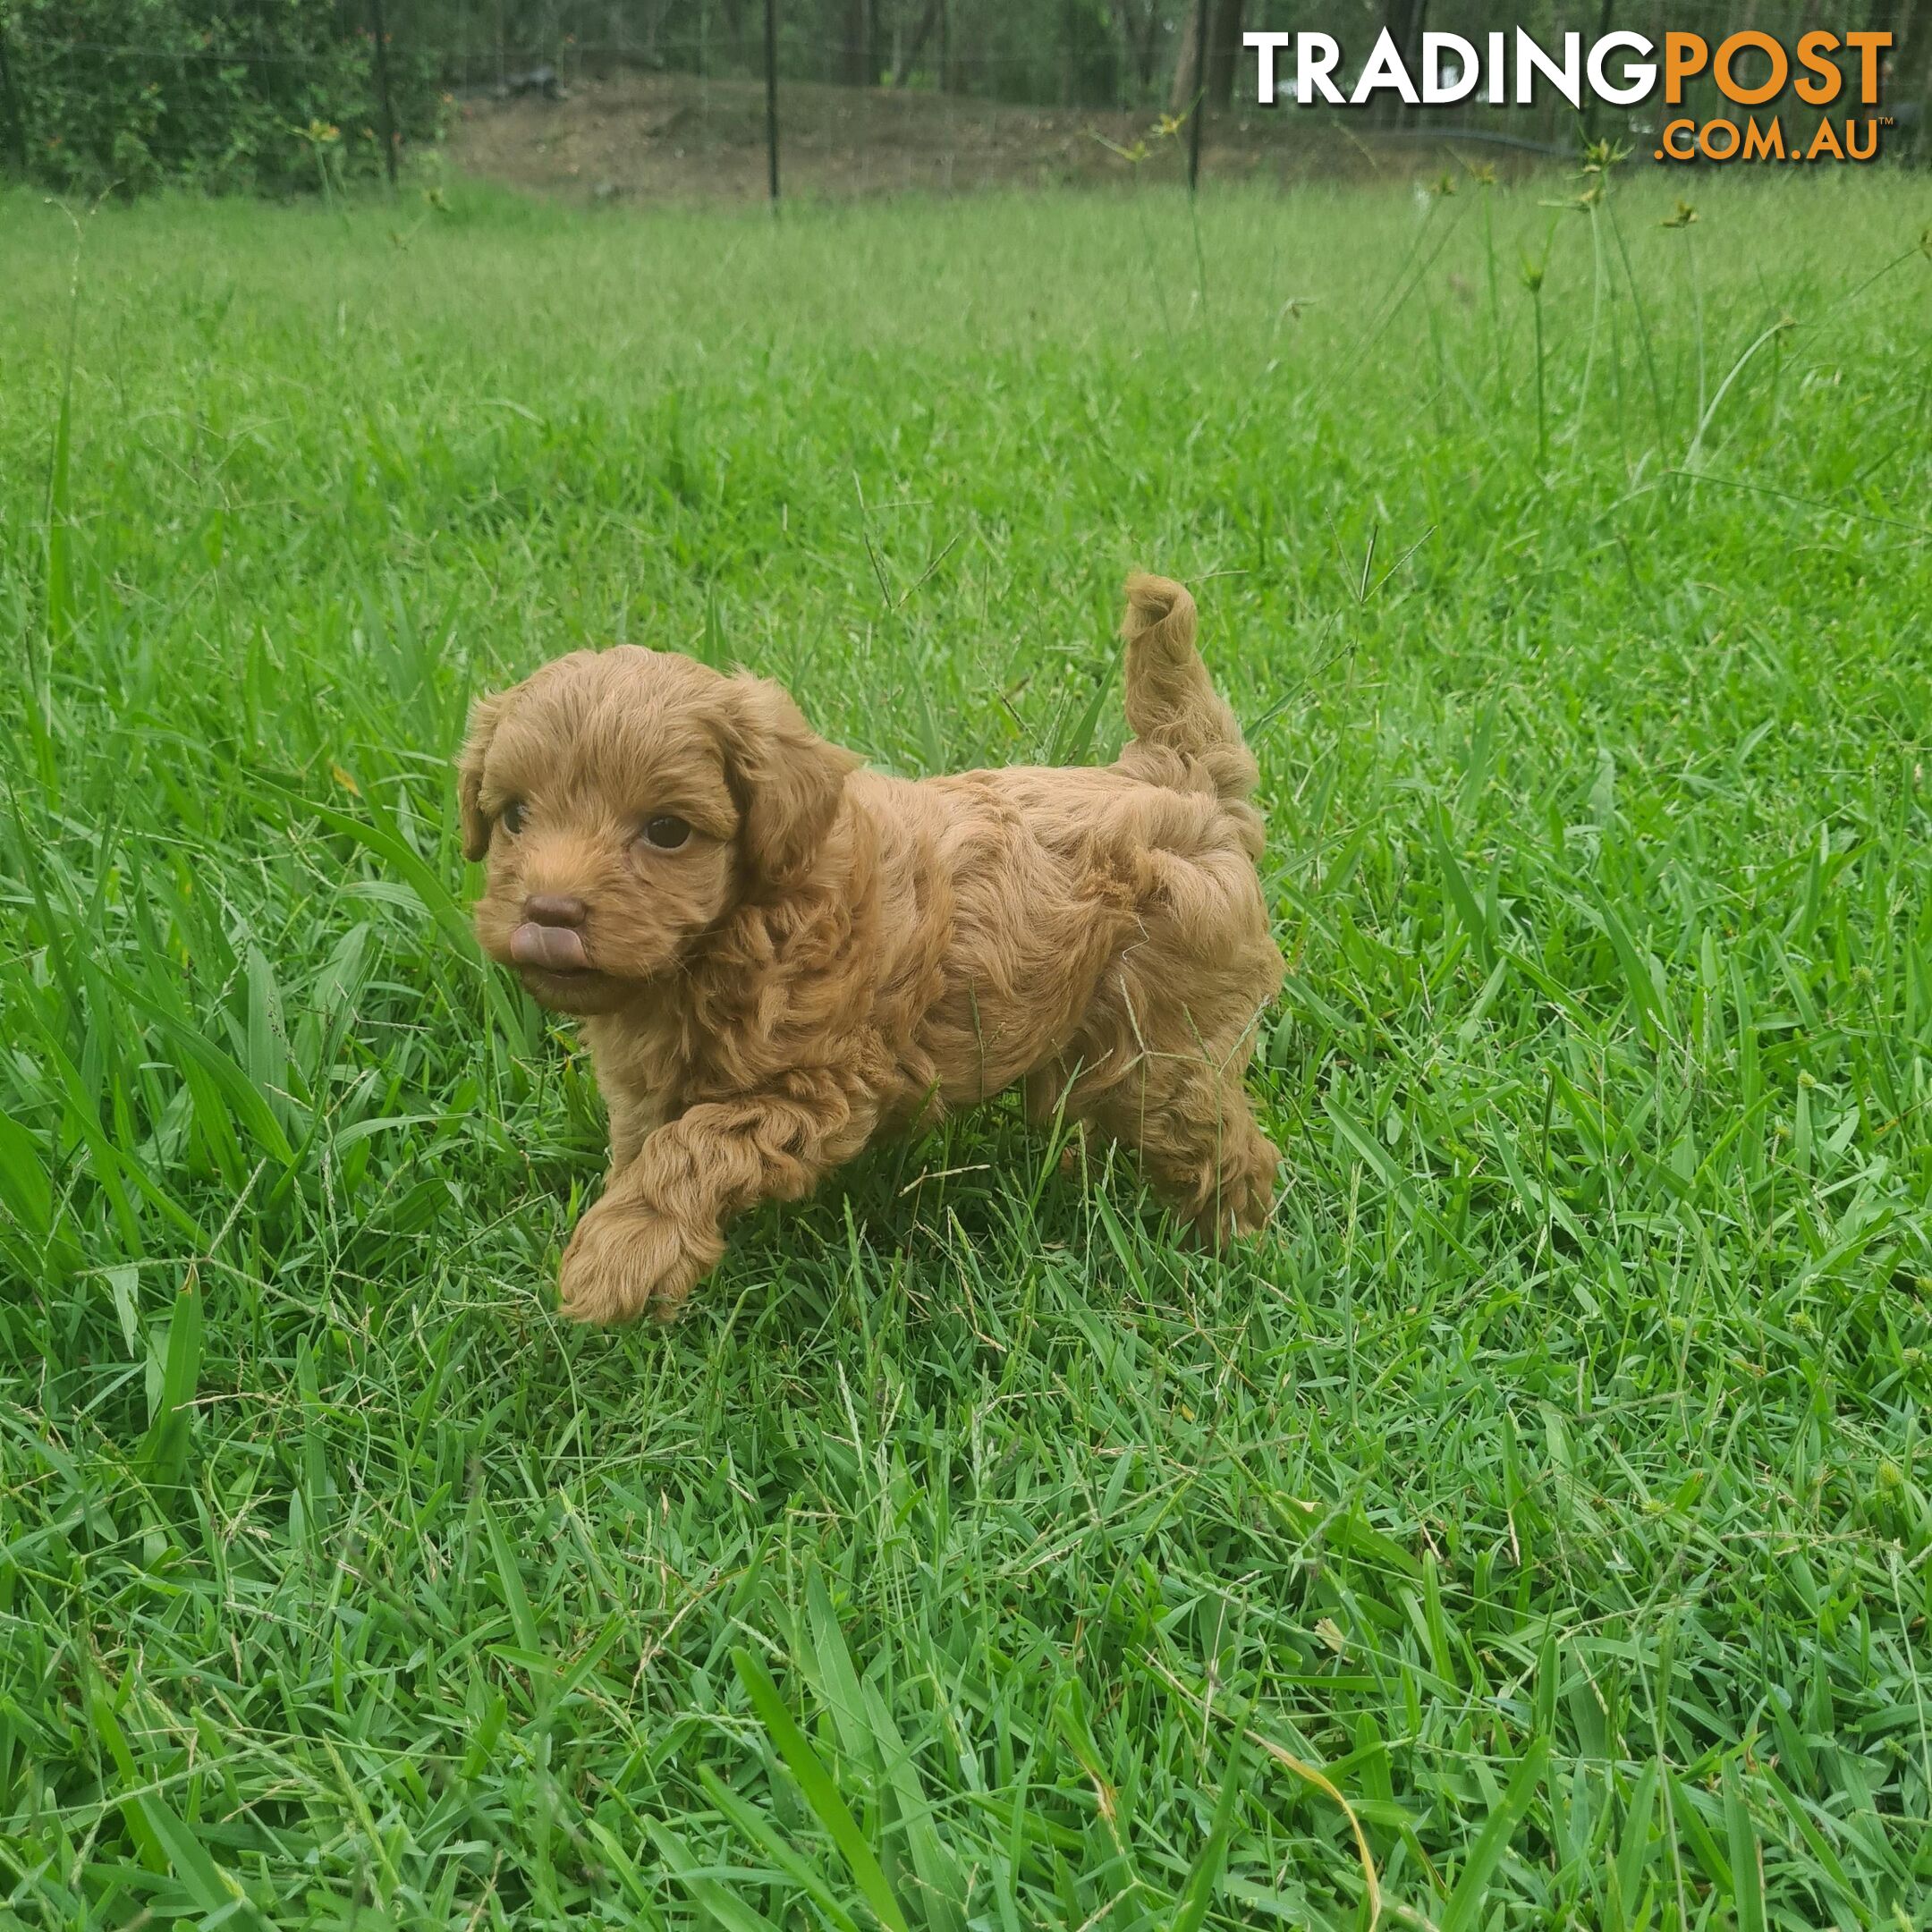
pixel 1171 705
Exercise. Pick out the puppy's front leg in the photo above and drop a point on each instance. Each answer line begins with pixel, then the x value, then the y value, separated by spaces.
pixel 630 1122
pixel 659 1229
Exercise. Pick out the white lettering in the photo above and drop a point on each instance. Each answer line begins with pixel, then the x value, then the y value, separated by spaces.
pixel 1532 61
pixel 1437 91
pixel 1267 45
pixel 1315 56
pixel 1384 70
pixel 1640 76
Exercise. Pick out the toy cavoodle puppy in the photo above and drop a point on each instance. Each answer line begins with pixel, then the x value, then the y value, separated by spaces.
pixel 777 955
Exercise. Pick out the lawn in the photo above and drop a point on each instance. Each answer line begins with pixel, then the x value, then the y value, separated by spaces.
pixel 1538 1517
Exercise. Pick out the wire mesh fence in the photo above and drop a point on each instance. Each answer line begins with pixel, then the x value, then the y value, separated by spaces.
pixel 739 99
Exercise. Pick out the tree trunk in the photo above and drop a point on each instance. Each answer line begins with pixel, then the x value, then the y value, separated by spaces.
pixel 909 50
pixel 1224 51
pixel 10 99
pixel 1908 89
pixel 1187 65
pixel 855 49
pixel 1137 32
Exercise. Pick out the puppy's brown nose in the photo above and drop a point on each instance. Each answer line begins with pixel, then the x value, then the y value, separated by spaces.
pixel 553 909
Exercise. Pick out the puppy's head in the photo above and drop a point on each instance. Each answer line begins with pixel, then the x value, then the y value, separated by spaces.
pixel 625 802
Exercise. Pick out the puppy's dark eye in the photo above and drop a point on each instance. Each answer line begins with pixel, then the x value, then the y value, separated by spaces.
pixel 667 833
pixel 516 817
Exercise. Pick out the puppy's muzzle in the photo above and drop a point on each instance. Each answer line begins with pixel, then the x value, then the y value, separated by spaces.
pixel 550 936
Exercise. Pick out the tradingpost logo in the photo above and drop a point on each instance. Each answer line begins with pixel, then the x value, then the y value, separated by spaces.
pixel 1834 80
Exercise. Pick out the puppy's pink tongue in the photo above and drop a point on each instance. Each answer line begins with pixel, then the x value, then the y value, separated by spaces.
pixel 554 948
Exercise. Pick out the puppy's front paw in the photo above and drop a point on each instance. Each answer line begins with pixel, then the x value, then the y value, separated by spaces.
pixel 1243 1201
pixel 624 1262
pixel 1250 1200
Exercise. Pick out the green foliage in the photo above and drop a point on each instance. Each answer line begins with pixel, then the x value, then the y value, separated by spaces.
pixel 135 95
pixel 1552 1481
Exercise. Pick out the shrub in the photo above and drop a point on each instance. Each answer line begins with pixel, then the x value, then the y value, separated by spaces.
pixel 137 94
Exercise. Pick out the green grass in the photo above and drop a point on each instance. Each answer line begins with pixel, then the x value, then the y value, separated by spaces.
pixel 1552 1483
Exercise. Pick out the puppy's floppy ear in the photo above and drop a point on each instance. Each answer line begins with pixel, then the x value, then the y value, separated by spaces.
pixel 786 780
pixel 485 716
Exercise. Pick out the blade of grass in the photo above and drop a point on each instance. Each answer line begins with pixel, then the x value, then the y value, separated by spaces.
pixel 818 1788
pixel 1204 1878
pixel 1465 1910
pixel 163 1452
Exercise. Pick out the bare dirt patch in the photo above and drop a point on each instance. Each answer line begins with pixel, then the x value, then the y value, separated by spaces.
pixel 654 136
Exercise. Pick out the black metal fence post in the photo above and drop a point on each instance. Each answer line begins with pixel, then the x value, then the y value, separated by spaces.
pixel 382 88
pixel 1200 94
pixel 771 96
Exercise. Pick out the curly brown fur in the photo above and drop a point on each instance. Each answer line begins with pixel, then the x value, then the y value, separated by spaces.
pixel 826 951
